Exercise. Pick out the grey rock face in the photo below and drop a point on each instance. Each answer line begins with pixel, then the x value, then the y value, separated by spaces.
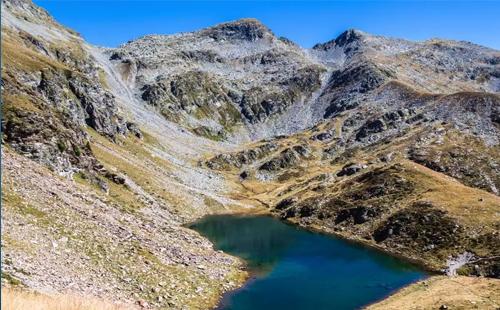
pixel 287 158
pixel 344 39
pixel 476 113
pixel 99 107
pixel 194 94
pixel 237 80
pixel 239 159
pixel 238 65
pixel 243 29
pixel 263 79
pixel 50 98
pixel 350 169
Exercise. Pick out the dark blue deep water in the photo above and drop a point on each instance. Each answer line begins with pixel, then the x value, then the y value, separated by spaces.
pixel 293 268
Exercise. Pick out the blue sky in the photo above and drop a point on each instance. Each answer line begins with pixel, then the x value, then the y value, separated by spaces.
pixel 113 22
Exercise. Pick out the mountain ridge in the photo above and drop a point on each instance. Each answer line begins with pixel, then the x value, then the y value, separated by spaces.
pixel 328 59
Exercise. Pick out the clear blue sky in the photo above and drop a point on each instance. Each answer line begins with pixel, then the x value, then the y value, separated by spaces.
pixel 111 23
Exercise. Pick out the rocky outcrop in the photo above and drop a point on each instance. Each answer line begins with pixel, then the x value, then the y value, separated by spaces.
pixel 244 29
pixel 242 158
pixel 467 160
pixel 196 94
pixel 287 158
pixel 348 37
pixel 258 104
pixel 475 113
pixel 397 120
pixel 359 78
pixel 51 91
pixel 350 169
pixel 420 226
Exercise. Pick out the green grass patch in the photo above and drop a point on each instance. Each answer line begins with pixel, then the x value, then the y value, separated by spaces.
pixel 14 201
pixel 11 279
pixel 102 78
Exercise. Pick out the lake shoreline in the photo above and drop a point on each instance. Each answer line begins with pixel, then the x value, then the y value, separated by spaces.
pixel 328 232
pixel 251 274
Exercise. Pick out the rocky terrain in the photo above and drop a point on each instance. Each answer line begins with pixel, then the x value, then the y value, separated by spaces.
pixel 108 152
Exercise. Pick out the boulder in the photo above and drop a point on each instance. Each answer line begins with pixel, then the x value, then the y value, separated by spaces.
pixel 350 169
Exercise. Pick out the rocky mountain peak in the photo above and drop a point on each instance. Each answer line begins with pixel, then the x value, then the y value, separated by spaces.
pixel 345 38
pixel 246 29
pixel 349 36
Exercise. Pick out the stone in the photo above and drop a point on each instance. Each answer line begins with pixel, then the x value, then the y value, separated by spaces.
pixel 142 303
pixel 349 169
pixel 244 175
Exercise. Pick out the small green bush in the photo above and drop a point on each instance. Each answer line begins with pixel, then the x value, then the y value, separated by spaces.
pixel 61 146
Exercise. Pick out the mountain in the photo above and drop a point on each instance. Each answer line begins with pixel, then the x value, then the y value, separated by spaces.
pixel 108 152
pixel 258 85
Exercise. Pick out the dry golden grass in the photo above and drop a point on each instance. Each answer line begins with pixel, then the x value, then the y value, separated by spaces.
pixel 134 158
pixel 471 205
pixel 18 101
pixel 454 293
pixel 16 55
pixel 17 299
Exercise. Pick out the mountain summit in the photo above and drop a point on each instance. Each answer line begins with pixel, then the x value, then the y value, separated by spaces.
pixel 248 29
pixel 343 39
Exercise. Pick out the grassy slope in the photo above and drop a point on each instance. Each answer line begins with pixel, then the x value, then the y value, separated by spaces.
pixel 40 210
pixel 458 293
pixel 16 299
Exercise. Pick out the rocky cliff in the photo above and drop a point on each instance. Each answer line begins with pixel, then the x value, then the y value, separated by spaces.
pixel 108 152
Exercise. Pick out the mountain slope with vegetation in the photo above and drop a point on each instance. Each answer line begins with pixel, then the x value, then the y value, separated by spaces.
pixel 108 152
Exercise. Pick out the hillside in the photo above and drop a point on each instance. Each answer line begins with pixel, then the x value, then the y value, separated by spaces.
pixel 107 153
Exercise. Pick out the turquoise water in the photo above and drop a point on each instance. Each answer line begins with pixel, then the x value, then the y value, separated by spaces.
pixel 293 268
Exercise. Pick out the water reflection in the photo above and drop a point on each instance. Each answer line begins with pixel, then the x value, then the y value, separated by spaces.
pixel 299 269
pixel 258 240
